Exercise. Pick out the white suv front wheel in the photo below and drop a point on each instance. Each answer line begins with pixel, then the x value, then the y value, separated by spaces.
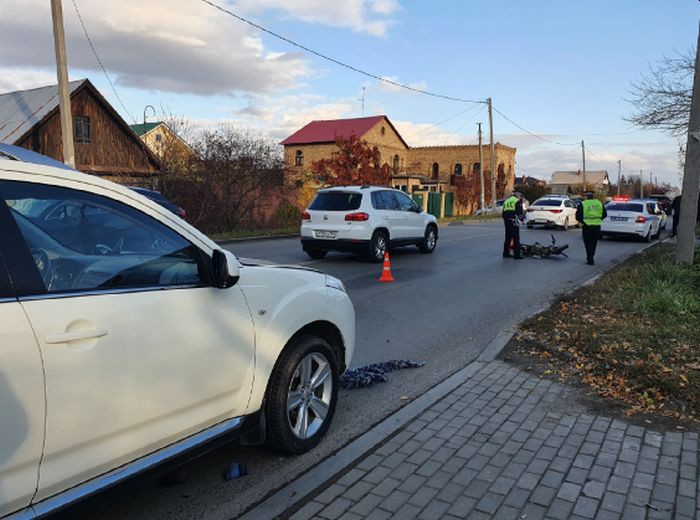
pixel 302 395
pixel 429 242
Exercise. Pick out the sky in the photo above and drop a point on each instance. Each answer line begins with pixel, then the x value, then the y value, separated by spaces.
pixel 560 70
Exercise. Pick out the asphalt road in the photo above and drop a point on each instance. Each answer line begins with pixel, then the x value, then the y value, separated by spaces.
pixel 443 309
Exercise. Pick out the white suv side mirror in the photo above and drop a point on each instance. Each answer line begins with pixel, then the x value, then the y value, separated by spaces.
pixel 224 268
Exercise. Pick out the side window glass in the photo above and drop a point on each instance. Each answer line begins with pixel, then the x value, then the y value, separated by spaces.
pixel 377 201
pixel 84 242
pixel 389 200
pixel 405 203
pixel 651 209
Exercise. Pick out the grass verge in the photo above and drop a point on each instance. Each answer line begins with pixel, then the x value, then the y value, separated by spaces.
pixel 252 233
pixel 633 336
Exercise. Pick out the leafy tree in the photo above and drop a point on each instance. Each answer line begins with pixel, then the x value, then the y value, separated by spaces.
pixel 353 163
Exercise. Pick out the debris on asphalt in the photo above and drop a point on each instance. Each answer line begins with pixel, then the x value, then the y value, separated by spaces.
pixel 367 375
pixel 236 470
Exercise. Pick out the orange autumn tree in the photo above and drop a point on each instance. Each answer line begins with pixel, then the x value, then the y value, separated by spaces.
pixel 353 163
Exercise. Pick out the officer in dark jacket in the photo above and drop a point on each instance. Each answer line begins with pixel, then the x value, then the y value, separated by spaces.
pixel 676 205
pixel 590 213
pixel 512 213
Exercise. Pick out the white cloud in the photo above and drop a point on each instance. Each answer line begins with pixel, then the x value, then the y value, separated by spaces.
pixel 19 79
pixel 370 16
pixel 388 87
pixel 173 45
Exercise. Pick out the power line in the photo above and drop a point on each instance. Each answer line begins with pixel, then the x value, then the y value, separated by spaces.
pixel 423 130
pixel 99 61
pixel 539 164
pixel 336 61
pixel 471 119
pixel 528 131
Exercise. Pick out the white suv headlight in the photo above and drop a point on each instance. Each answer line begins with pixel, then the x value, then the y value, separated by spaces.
pixel 334 283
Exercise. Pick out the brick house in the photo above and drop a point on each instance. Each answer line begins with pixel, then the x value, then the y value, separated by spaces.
pixel 429 168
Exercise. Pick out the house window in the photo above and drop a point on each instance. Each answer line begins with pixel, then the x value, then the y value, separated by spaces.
pixel 159 138
pixel 476 168
pixel 396 164
pixel 81 126
pixel 436 170
pixel 383 130
pixel 458 169
pixel 299 158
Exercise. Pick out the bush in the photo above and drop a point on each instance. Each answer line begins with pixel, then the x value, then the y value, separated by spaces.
pixel 287 215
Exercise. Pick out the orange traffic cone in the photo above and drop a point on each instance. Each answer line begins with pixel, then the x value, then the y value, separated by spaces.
pixel 386 270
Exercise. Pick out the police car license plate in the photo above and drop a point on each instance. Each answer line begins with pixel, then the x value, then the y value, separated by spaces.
pixel 325 234
pixel 618 219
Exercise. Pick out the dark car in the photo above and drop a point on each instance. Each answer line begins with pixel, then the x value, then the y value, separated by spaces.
pixel 158 197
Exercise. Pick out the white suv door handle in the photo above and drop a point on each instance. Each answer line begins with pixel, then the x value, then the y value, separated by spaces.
pixel 67 337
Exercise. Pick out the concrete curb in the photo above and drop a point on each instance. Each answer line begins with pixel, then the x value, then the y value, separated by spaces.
pixel 303 486
pixel 253 239
pixel 296 235
pixel 299 489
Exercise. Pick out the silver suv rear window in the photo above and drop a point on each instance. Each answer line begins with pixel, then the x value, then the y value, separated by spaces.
pixel 336 201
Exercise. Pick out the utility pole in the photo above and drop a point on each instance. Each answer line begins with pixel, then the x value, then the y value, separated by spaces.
pixel 59 39
pixel 685 243
pixel 493 153
pixel 583 151
pixel 481 169
pixel 641 185
pixel 619 174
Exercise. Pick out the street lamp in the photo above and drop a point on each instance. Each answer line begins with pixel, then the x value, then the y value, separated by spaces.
pixel 144 112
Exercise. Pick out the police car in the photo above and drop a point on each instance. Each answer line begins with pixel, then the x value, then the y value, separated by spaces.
pixel 636 218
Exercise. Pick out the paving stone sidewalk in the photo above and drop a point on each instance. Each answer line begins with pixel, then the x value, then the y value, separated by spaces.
pixel 508 445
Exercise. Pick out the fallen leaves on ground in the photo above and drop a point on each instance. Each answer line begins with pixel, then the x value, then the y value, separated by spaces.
pixel 649 361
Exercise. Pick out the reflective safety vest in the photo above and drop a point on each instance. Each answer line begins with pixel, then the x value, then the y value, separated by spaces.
pixel 510 203
pixel 592 212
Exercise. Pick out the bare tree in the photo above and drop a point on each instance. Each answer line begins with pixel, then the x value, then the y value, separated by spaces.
pixel 229 182
pixel 661 98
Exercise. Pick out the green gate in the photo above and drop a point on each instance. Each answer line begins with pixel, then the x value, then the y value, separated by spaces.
pixel 418 199
pixel 434 203
pixel 449 198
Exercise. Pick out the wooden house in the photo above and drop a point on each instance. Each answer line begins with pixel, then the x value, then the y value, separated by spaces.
pixel 105 145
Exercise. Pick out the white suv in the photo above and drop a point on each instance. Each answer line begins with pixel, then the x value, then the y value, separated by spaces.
pixel 366 220
pixel 128 338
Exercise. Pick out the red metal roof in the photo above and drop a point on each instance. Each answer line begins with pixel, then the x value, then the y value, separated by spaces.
pixel 328 131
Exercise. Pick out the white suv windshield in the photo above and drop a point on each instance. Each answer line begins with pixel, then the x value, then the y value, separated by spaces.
pixel 336 201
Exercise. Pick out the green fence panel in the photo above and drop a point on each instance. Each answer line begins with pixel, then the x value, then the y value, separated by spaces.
pixel 434 203
pixel 418 199
pixel 449 201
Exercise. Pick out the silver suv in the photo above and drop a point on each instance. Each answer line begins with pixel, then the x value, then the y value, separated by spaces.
pixel 366 220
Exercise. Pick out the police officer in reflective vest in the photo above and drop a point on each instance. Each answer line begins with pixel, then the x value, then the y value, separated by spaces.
pixel 590 213
pixel 512 212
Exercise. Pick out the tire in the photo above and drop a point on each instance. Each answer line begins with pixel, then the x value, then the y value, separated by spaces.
pixel 378 245
pixel 429 242
pixel 647 237
pixel 292 380
pixel 565 227
pixel 316 254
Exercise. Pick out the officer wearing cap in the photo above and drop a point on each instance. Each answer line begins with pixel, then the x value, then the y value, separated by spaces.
pixel 512 212
pixel 590 213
